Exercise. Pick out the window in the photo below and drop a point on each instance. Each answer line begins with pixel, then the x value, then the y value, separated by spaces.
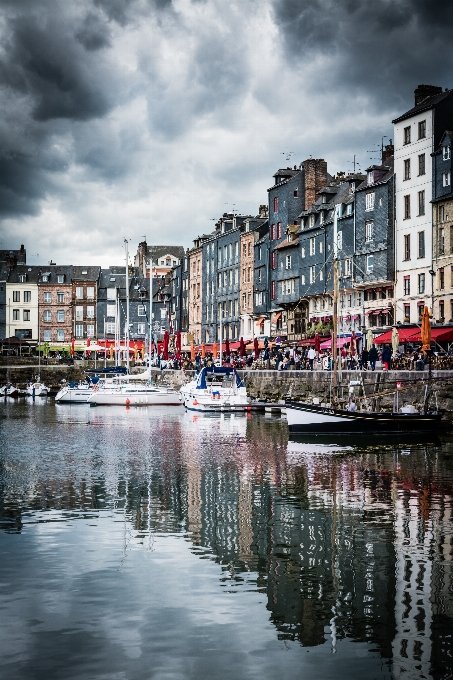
pixel 220 255
pixel 22 278
pixel 90 292
pixel 60 316
pixel 442 310
pixel 141 328
pixel 369 230
pixel 446 153
pixel 441 213
pixel 407 135
pixel 16 314
pixel 296 193
pixel 230 277
pixel 421 244
pixel 302 279
pixel 422 129
pixel 111 293
pixel 141 311
pixel 421 164
pixel 312 245
pixel 60 297
pixel 47 315
pixel 279 229
pixel 349 209
pixel 90 312
pixel 16 295
pixel 320 246
pixel 79 330
pixel 420 306
pixel 60 335
pixel 340 240
pixel 407 246
pixel 446 179
pixel 347 267
pixel 407 285
pixel 370 177
pixel 236 275
pixel 47 336
pixel 79 292
pixel 259 275
pixel 231 250
pixel 60 278
pixel 225 253
pixel 441 279
pixel 421 202
pixel 45 278
pixel 441 241
pixel 288 287
pixel 407 207
pixel 302 252
pixel 47 297
pixel 407 168
pixel 111 310
pixel 288 262
pixel 90 330
pixel 311 221
pixel 275 204
pixel 274 260
pixel 272 232
pixel 236 248
pixel 219 280
pixel 421 283
pixel 369 201
pixel 312 274
pixel 79 313
pixel 369 263
pixel 259 252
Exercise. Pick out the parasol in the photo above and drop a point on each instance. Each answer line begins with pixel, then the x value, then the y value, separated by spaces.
pixel 203 350
pixel 395 340
pixel 214 351
pixel 192 352
pixel 178 345
pixel 166 339
pixel 317 342
pixel 369 339
pixel 241 348
pixel 425 331
pixel 227 347
pixel 256 350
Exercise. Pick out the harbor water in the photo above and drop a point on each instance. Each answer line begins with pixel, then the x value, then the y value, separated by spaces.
pixel 154 543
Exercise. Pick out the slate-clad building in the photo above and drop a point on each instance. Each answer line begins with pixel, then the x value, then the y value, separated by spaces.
pixel 374 265
pixel 251 231
pixel 442 215
pixel 261 275
pixel 294 190
pixel 84 294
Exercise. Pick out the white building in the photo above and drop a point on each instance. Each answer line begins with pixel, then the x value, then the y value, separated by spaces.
pixel 22 302
pixel 416 134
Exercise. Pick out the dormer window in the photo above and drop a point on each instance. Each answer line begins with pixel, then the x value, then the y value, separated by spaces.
pixel 324 198
pixel 321 217
pixel 84 271
pixel 352 187
pixel 60 278
pixel 45 278
pixel 446 153
pixel 349 209
pixel 22 278
pixel 311 221
pixel 370 177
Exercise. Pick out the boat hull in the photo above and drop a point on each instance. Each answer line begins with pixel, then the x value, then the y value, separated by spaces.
pixel 313 419
pixel 73 396
pixel 122 398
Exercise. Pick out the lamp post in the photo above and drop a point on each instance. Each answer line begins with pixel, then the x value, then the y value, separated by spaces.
pixel 433 274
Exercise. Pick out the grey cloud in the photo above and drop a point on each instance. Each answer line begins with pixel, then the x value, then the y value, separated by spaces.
pixel 94 34
pixel 377 47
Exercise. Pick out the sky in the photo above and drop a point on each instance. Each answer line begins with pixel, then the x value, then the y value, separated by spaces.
pixel 133 118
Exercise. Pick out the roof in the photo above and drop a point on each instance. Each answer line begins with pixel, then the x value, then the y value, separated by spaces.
pixel 160 251
pixel 85 273
pixel 19 255
pixel 383 178
pixel 32 273
pixel 53 270
pixel 425 105
pixel 287 244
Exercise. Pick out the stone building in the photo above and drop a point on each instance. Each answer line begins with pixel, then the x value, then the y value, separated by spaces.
pixel 417 133
pixel 442 215
pixel 8 260
pixel 250 232
pixel 195 298
pixel 84 295
pixel 164 258
pixel 56 322
pixel 228 267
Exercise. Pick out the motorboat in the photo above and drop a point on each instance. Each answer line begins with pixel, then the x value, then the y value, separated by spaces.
pixel 216 388
pixel 129 394
pixel 37 389
pixel 9 391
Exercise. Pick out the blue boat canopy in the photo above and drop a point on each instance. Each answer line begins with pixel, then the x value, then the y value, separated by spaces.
pixel 219 370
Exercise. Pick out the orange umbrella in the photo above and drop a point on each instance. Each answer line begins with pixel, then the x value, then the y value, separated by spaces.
pixel 203 350
pixel 135 351
pixel 111 352
pixel 192 352
pixel 214 350
pixel 425 332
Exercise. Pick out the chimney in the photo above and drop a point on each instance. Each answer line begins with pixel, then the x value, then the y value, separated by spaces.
pixel 387 152
pixel 141 252
pixel 424 91
pixel 263 211
pixel 315 177
pixel 11 260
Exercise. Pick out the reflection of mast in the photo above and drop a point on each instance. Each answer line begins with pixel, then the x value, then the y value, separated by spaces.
pixel 335 309
pixel 245 539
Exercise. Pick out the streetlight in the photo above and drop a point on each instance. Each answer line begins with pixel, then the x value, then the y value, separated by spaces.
pixel 433 274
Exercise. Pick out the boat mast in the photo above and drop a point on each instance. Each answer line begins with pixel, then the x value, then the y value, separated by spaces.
pixel 150 311
pixel 221 333
pixel 126 331
pixel 335 307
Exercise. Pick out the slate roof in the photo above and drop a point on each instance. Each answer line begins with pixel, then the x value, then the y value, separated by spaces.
pixel 32 273
pixel 155 252
pixel 425 105
pixel 54 270
pixel 92 273
pixel 20 255
pixel 383 178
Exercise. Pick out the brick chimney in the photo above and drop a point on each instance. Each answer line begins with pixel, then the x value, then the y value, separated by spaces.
pixel 424 91
pixel 141 252
pixel 315 177
pixel 11 259
pixel 387 152
pixel 263 211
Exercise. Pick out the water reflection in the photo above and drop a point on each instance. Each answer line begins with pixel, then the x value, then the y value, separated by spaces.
pixel 344 542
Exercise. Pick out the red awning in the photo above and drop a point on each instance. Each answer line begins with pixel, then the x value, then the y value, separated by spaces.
pixel 413 335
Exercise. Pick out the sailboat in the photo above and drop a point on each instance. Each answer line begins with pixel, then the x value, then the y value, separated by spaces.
pixel 334 420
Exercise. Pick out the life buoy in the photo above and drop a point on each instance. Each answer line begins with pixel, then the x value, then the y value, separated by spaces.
pixel 195 403
pixel 128 401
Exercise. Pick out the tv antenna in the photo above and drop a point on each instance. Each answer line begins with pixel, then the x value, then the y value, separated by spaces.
pixel 287 154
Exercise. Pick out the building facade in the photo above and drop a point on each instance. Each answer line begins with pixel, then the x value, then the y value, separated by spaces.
pixel 56 321
pixel 195 298
pixel 417 133
pixel 22 302
pixel 85 281
pixel 442 215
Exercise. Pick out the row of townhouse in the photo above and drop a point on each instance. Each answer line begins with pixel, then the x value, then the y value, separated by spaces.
pixel 272 274
pixel 55 303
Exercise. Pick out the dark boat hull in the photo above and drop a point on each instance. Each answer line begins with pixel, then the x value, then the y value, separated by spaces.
pixel 313 419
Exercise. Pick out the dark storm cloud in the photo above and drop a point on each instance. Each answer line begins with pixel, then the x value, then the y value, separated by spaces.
pixel 93 34
pixel 378 47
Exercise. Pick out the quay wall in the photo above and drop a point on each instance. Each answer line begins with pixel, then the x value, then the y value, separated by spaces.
pixel 272 386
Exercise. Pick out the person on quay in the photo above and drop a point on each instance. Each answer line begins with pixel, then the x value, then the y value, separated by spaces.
pixel 373 356
pixel 386 358
pixel 364 358
pixel 311 355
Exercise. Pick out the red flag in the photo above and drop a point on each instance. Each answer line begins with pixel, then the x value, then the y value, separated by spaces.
pixel 88 351
pixel 72 346
pixel 256 349
pixel 166 339
pixel 241 348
